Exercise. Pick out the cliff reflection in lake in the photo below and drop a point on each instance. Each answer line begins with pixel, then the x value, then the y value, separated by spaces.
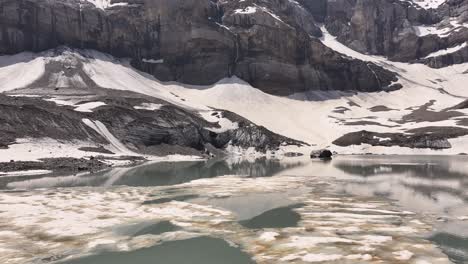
pixel 158 174
pixel 434 186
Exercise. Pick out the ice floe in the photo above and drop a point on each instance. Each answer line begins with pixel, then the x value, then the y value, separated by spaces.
pixel 75 222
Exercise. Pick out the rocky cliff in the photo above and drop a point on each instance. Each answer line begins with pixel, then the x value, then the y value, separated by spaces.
pixel 273 45
pixel 402 30
pixel 80 74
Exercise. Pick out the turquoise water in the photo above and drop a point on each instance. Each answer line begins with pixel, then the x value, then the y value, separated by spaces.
pixel 200 250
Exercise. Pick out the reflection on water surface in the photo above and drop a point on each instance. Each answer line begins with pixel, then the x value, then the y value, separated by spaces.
pixel 267 209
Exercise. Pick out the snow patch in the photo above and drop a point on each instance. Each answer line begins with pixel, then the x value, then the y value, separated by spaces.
pixel 24 173
pixel 85 107
pixel 33 149
pixel 20 70
pixel 446 51
pixel 427 4
pixel 216 117
pixel 88 107
pixel 149 106
pixel 103 4
pixel 247 10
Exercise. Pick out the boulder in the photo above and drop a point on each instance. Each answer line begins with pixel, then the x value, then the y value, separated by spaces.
pixel 321 154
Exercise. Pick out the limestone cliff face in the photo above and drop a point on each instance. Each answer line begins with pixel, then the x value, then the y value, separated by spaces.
pixel 273 45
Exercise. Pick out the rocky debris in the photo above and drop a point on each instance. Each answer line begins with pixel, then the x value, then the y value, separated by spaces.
pixel 462 122
pixel 447 59
pixel 59 165
pixel 276 48
pixel 169 130
pixel 249 135
pixel 380 108
pixel 147 131
pixel 367 123
pixel 462 105
pixel 23 117
pixel 99 149
pixel 424 114
pixel 341 110
pixel 423 138
pixel 321 154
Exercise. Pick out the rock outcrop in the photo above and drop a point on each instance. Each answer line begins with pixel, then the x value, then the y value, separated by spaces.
pixel 420 138
pixel 323 154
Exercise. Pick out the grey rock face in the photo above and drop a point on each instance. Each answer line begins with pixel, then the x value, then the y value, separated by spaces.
pixel 420 138
pixel 390 28
pixel 29 117
pixel 140 130
pixel 444 60
pixel 274 48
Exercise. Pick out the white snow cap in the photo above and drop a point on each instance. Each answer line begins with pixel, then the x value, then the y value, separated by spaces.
pixel 103 4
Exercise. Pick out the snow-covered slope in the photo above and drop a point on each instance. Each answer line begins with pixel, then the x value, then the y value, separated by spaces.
pixel 315 117
pixel 112 111
pixel 310 118
pixel 20 70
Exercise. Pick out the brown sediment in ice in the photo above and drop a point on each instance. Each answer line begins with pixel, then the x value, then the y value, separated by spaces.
pixel 74 222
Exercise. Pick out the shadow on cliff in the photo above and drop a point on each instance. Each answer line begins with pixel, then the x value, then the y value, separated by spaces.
pixel 23 57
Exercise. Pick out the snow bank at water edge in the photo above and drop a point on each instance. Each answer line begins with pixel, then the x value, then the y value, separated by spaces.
pixel 24 173
pixel 33 149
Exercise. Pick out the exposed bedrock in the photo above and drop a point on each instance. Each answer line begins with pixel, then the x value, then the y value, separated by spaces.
pixel 155 132
pixel 420 138
pixel 22 117
pixel 459 56
pixel 274 47
pixel 401 30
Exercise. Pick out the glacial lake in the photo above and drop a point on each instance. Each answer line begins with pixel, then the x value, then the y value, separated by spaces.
pixel 353 209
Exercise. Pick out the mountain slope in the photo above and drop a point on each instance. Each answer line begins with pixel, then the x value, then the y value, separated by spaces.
pixel 89 103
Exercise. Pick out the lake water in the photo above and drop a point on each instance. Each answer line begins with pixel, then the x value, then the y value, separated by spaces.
pixel 353 209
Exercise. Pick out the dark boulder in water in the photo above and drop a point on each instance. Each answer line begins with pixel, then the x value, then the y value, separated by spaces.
pixel 321 154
